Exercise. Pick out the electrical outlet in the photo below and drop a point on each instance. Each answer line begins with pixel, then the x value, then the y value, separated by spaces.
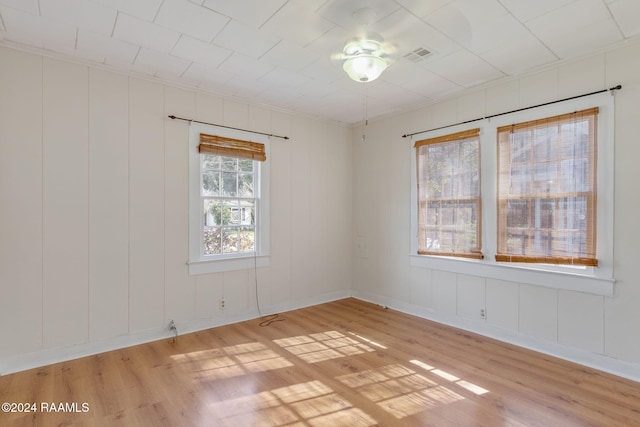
pixel 222 304
pixel 483 313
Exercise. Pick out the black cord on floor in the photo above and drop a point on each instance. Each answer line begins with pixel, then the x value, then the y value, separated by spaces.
pixel 267 320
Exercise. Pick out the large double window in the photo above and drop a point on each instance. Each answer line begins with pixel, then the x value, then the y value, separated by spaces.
pixel 527 194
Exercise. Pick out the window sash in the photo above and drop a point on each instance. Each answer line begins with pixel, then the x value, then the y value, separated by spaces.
pixel 547 190
pixel 228 234
pixel 449 199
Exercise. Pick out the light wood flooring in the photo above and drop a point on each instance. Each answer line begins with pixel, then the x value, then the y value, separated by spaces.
pixel 344 363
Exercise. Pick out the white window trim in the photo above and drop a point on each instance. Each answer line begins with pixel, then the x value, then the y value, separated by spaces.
pixel 199 264
pixel 595 280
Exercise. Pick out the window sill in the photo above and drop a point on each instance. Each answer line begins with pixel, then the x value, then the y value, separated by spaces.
pixel 227 264
pixel 568 281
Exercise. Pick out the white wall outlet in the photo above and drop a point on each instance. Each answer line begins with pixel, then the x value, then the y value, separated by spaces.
pixel 222 304
pixel 362 247
pixel 483 313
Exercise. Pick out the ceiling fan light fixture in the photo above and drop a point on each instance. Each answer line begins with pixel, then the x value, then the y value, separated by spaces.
pixel 364 67
pixel 364 58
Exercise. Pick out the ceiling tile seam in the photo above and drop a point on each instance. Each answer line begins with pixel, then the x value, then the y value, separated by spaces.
pixel 3 27
pixel 135 58
pixel 155 16
pixel 457 83
pixel 115 22
pixel 175 43
pixel 534 35
pixel 322 6
pixel 230 54
pixel 273 14
pixel 220 30
pixel 269 50
pixel 409 11
pixel 320 36
pixel 615 21
pixel 187 69
pixel 548 12
pixel 204 6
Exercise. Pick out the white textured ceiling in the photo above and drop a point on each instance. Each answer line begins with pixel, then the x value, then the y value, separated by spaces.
pixel 278 52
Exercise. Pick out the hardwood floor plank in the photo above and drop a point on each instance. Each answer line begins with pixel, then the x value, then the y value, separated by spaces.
pixel 344 363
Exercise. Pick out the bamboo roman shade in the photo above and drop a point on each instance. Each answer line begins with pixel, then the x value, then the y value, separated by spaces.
pixel 449 201
pixel 222 146
pixel 470 133
pixel 547 190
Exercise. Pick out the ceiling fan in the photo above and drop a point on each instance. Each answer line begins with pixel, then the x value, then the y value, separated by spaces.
pixel 366 56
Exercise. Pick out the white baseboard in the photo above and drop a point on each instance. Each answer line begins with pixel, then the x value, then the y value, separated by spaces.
pixel 22 362
pixel 600 362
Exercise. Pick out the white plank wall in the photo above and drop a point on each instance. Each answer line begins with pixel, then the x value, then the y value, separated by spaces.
pixel 108 205
pixel 279 278
pixel 146 201
pixel 209 287
pixel 300 200
pixel 66 200
pixel 320 164
pixel 21 200
pixel 180 288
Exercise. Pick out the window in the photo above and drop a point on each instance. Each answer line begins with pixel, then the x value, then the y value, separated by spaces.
pixel 547 190
pixel 449 206
pixel 545 214
pixel 228 217
pixel 229 194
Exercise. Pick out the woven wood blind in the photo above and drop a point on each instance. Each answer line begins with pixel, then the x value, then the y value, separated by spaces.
pixel 449 204
pixel 219 145
pixel 470 133
pixel 547 190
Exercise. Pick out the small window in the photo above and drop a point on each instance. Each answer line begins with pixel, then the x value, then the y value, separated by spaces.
pixel 229 194
pixel 228 203
pixel 449 206
pixel 547 190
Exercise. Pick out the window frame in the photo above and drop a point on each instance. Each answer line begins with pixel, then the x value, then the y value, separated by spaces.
pixel 203 264
pixel 533 194
pixel 450 139
pixel 594 280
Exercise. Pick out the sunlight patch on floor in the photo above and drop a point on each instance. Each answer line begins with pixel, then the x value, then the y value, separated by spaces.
pixel 314 348
pixel 311 403
pixel 452 378
pixel 367 340
pixel 399 390
pixel 232 361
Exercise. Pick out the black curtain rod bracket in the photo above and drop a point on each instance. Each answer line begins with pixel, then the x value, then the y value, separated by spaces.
pixel 172 117
pixel 618 87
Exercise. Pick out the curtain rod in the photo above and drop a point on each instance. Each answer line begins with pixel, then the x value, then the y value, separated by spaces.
pixel 515 111
pixel 227 127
